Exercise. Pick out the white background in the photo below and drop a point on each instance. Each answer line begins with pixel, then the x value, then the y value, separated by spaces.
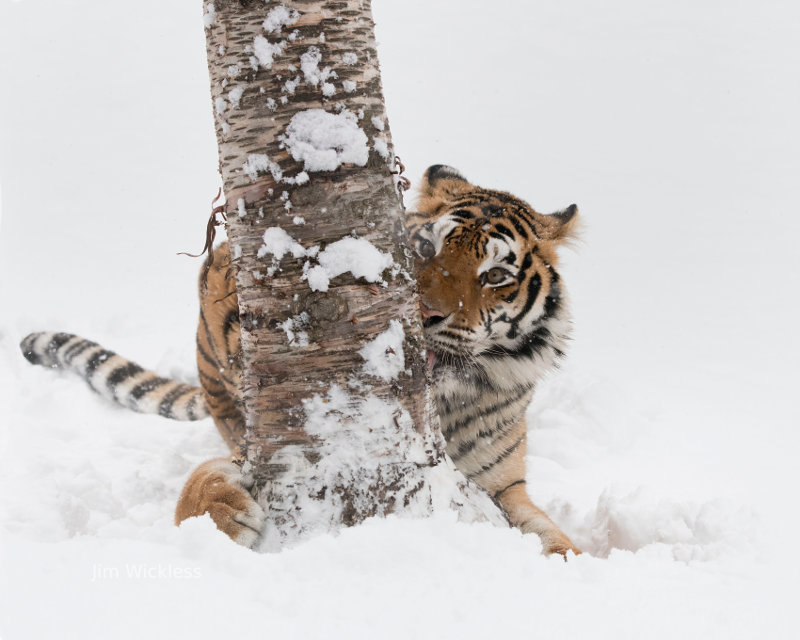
pixel 666 447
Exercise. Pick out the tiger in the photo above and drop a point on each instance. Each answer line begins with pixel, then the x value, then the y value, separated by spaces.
pixel 495 319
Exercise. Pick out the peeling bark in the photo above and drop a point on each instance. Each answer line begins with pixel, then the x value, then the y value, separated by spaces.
pixel 323 56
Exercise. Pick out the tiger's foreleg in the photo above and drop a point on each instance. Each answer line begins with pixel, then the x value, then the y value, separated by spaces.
pixel 219 488
pixel 529 518
pixel 508 488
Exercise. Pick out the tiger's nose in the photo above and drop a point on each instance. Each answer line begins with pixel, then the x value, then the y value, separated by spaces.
pixel 429 316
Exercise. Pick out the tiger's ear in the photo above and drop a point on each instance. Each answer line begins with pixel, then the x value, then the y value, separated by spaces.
pixel 560 226
pixel 436 175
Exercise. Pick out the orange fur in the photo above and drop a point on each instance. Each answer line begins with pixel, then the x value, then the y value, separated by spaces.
pixel 218 488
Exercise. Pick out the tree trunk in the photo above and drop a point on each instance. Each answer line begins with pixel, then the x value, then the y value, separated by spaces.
pixel 340 419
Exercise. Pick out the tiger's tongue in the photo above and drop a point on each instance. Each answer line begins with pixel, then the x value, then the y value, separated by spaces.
pixel 431 359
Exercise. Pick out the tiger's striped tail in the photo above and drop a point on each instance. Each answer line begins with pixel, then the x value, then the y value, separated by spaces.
pixel 115 377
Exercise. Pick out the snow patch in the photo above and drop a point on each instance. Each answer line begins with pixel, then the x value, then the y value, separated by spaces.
pixel 280 17
pixel 379 144
pixel 383 355
pixel 355 255
pixel 358 440
pixel 210 16
pixel 378 123
pixel 299 179
pixel 290 86
pixel 265 51
pixel 349 86
pixel 278 243
pixel 309 65
pixel 687 531
pixel 377 426
pixel 294 328
pixel 324 141
pixel 349 58
pixel 261 163
pixel 234 96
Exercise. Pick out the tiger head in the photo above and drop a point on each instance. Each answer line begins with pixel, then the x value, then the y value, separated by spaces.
pixel 486 267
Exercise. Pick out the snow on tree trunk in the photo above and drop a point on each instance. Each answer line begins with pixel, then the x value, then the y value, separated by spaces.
pixel 341 424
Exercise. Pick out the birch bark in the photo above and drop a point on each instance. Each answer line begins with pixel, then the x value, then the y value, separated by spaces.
pixel 337 431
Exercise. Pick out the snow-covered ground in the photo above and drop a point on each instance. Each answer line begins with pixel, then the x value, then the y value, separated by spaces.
pixel 666 447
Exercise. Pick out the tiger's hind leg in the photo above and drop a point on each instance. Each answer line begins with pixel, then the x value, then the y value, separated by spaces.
pixel 218 488
pixel 219 357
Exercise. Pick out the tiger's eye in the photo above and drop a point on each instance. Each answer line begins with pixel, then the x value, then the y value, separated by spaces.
pixel 426 249
pixel 496 275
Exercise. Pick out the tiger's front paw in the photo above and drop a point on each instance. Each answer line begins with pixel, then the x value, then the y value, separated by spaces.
pixel 558 542
pixel 218 488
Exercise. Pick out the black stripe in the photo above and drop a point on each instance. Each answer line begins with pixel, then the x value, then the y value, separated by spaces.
pixel 56 342
pixel 553 299
pixel 222 390
pixel 518 226
pixel 460 327
pixel 498 406
pixel 191 406
pixel 462 213
pixel 492 211
pixel 523 217
pixel 531 345
pixel 527 261
pixel 230 323
pixel 463 449
pixel 209 339
pixel 26 346
pixel 457 426
pixel 500 430
pixel 534 286
pixel 143 388
pixel 96 360
pixel 76 349
pixel 455 231
pixel 499 226
pixel 207 357
pixel 217 366
pixel 452 335
pixel 506 453
pixel 512 296
pixel 166 404
pixel 214 404
pixel 513 484
pixel 121 373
